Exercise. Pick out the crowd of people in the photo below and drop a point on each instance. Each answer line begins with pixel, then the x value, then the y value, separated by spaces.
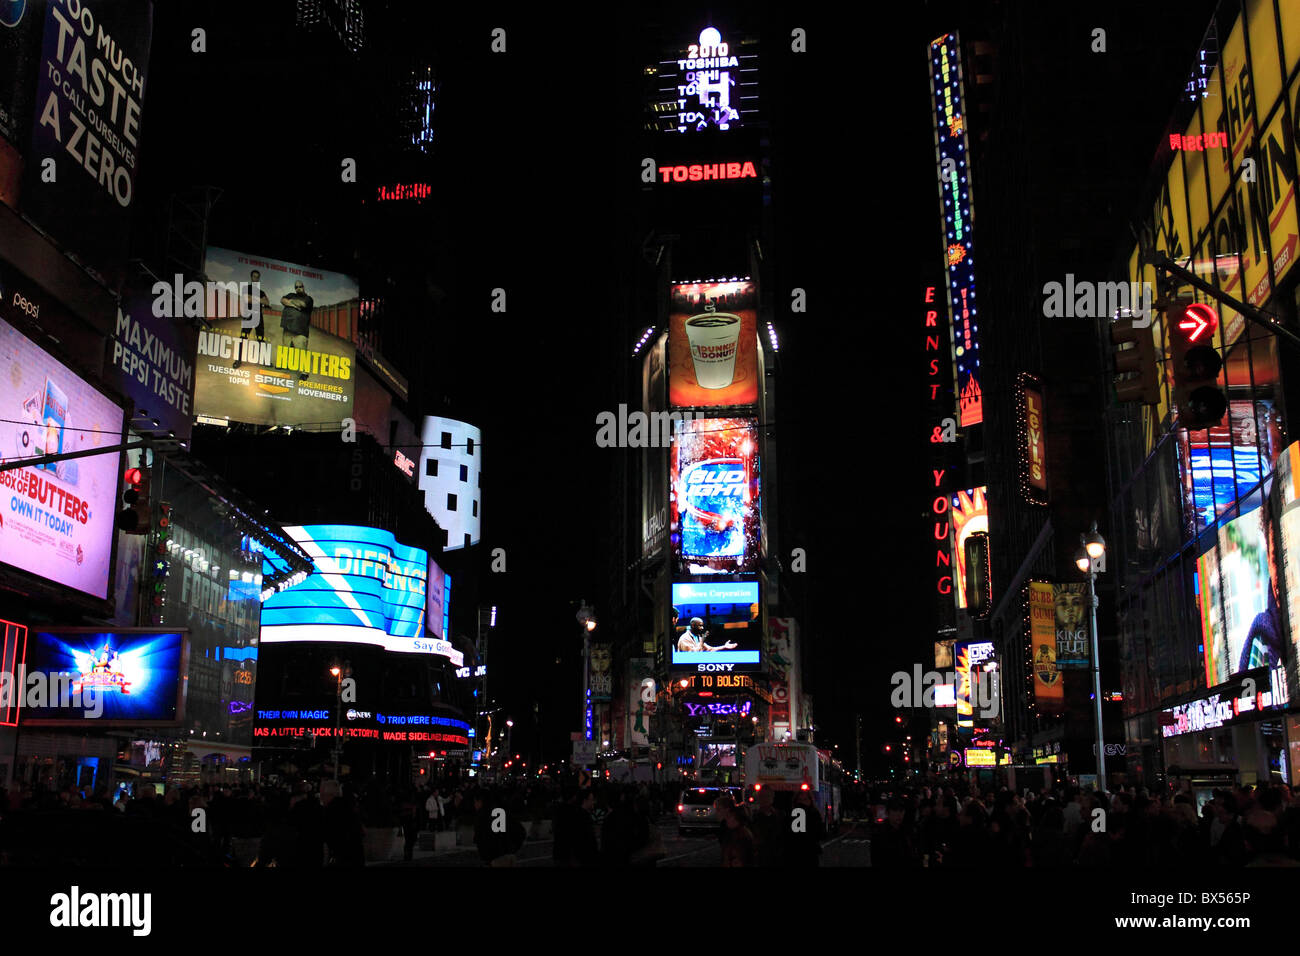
pixel 956 826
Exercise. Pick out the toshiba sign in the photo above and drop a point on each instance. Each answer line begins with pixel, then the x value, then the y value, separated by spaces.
pixel 700 172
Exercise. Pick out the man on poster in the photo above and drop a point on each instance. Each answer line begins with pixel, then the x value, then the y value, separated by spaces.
pixel 256 307
pixel 295 321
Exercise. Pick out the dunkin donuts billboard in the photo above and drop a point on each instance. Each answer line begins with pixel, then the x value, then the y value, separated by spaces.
pixel 713 344
pixel 714 506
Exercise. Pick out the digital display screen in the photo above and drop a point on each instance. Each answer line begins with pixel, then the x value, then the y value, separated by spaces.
pixel 266 358
pixel 713 344
pixel 715 626
pixel 709 85
pixel 970 514
pixel 714 507
pixel 56 519
pixel 438 607
pixel 125 676
pixel 368 588
pixel 1241 624
pixel 1221 464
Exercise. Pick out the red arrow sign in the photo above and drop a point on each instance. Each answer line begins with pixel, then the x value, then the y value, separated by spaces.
pixel 1197 318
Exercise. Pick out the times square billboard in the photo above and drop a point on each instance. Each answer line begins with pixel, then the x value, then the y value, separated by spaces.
pixel 713 344
pixel 56 519
pixel 715 514
pixel 715 627
pixel 710 83
pixel 367 588
pixel 275 367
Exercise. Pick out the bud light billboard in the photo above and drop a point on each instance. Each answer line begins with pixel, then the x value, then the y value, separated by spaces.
pixel 714 507
pixel 715 626
pixel 128 676
pixel 368 588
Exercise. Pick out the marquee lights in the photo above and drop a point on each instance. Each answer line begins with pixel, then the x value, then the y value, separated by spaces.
pixel 1030 429
pixel 947 97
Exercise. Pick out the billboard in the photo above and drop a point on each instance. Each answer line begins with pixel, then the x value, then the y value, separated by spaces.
pixel 86 121
pixel 1070 603
pixel 654 461
pixel 713 344
pixel 1236 589
pixel 714 508
pixel 600 680
pixel 151 360
pixel 641 694
pixel 438 608
pixel 20 48
pixel 1220 464
pixel 708 85
pixel 1030 422
pixel 970 515
pixel 715 626
pixel 1287 505
pixel 947 100
pixel 56 520
pixel 367 588
pixel 282 370
pixel 1049 686
pixel 133 675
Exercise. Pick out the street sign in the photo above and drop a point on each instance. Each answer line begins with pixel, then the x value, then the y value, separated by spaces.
pixel 584 753
pixel 584 779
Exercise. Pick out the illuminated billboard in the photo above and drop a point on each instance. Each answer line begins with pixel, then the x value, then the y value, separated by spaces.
pixel 1220 464
pixel 654 461
pixel 130 676
pixel 1049 685
pixel 948 101
pixel 715 627
pixel 56 520
pixel 367 588
pixel 438 607
pixel 1240 620
pixel 970 515
pixel 1287 493
pixel 713 344
pixel 709 85
pixel 86 121
pixel 714 506
pixel 283 369
pixel 1030 422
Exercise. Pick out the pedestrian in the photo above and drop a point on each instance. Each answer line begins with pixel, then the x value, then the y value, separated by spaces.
pixel 735 836
pixel 343 831
pixel 804 840
pixel 769 829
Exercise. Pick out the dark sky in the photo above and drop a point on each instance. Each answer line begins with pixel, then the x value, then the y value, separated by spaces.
pixel 535 178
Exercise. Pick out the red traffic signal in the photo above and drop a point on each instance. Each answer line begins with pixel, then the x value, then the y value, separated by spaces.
pixel 1196 364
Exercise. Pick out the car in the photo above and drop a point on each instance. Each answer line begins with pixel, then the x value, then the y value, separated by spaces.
pixel 695 807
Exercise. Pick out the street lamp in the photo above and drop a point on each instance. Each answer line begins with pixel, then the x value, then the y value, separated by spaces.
pixel 1093 547
pixel 338 717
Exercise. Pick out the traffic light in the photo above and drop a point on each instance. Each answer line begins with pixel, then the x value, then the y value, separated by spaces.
pixel 1138 364
pixel 1196 364
pixel 134 518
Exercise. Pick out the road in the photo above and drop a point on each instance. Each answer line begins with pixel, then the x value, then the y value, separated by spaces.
pixel 850 847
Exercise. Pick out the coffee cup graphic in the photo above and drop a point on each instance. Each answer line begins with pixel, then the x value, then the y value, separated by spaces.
pixel 713 337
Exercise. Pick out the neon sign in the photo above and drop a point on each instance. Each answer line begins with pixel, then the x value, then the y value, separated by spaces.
pixel 405 465
pixel 947 97
pixel 706 171
pixel 711 86
pixel 1198 143
pixel 416 191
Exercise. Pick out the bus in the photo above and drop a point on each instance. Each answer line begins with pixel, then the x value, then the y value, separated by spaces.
pixel 790 767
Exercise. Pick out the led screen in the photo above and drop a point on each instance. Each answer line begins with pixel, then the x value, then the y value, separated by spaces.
pixel 56 519
pixel 368 588
pixel 1221 464
pixel 714 505
pixel 970 514
pixel 715 626
pixel 284 369
pixel 713 344
pixel 1240 622
pixel 439 605
pixel 129 676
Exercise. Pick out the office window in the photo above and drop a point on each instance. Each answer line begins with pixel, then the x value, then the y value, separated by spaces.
pixel 476 509
pixel 464 472
pixel 469 446
pixel 431 467
pixel 467 541
pixel 451 502
pixel 446 439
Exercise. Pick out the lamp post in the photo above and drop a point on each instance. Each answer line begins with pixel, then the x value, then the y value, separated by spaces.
pixel 338 717
pixel 1093 548
pixel 587 620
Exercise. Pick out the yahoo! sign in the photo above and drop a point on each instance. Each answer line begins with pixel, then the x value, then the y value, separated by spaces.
pixel 718 708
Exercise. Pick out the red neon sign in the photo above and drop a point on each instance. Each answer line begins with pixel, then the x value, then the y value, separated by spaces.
pixel 697 173
pixel 405 465
pixel 416 191
pixel 1198 143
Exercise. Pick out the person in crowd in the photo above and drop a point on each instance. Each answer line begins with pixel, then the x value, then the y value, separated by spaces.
pixel 735 837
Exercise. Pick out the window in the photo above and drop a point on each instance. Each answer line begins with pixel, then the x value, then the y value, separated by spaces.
pixel 469 446
pixel 431 467
pixel 467 541
pixel 446 439
pixel 451 502
pixel 476 509
pixel 464 472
